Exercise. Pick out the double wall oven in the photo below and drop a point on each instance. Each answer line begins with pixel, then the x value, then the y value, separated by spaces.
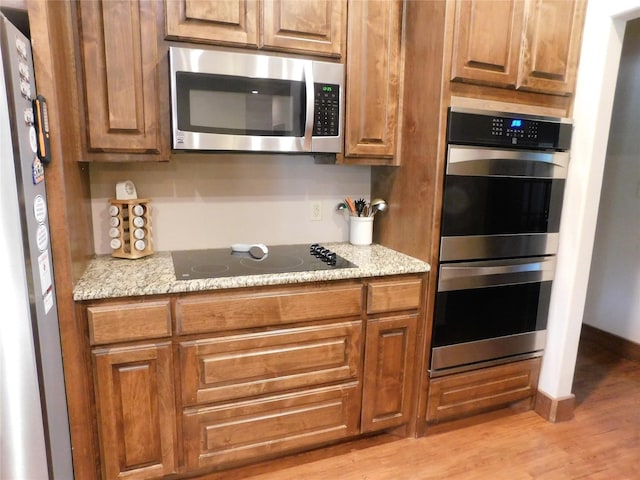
pixel 502 200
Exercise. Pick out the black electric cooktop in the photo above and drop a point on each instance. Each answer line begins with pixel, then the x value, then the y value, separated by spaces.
pixel 215 263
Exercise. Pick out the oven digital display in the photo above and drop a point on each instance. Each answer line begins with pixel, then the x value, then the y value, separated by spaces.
pixel 516 123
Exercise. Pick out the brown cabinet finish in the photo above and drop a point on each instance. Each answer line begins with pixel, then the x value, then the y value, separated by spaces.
pixel 388 372
pixel 305 26
pixel 531 45
pixel 316 27
pixel 233 22
pixel 265 427
pixel 551 49
pixel 486 44
pixel 374 81
pixel 464 394
pixel 393 295
pixel 124 322
pixel 239 366
pixel 136 411
pixel 122 90
pixel 216 313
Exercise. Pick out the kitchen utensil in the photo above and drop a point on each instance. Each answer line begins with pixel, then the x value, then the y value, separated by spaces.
pixel 377 205
pixel 360 204
pixel 352 206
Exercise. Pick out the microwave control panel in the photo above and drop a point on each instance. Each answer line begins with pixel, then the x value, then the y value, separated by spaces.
pixel 327 110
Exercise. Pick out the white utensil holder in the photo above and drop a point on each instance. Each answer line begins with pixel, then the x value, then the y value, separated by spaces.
pixel 360 230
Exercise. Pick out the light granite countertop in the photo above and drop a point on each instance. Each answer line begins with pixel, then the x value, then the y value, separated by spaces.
pixel 109 277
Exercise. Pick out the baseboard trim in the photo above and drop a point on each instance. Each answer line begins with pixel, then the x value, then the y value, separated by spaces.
pixel 555 409
pixel 613 343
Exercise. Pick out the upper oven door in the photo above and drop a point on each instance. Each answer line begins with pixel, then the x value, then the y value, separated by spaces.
pixel 501 203
pixel 246 102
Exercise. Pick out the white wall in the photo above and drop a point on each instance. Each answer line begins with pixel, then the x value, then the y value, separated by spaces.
pixel 613 296
pixel 599 61
pixel 212 201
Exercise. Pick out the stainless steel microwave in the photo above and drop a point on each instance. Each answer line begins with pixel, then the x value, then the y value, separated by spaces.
pixel 230 101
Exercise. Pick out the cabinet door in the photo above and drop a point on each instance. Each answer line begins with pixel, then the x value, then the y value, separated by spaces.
pixel 553 33
pixel 312 26
pixel 119 48
pixel 486 41
pixel 388 372
pixel 136 411
pixel 374 77
pixel 232 22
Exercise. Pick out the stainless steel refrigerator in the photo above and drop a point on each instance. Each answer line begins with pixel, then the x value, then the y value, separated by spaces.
pixel 34 427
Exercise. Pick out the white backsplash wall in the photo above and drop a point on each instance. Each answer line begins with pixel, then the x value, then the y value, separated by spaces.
pixel 212 201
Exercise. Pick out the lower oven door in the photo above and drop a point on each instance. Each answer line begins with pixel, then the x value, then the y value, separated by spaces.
pixel 488 311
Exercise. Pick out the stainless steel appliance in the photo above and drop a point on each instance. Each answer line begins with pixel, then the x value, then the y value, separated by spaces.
pixel 34 427
pixel 502 201
pixel 233 101
pixel 220 262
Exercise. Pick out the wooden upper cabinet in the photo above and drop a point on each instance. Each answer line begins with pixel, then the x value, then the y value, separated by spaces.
pixel 312 26
pixel 374 79
pixel 529 45
pixel 486 41
pixel 303 26
pixel 122 91
pixel 233 22
pixel 551 48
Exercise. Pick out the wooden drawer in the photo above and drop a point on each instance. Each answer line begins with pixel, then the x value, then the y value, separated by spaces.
pixel 390 295
pixel 124 322
pixel 468 393
pixel 216 313
pixel 240 366
pixel 253 430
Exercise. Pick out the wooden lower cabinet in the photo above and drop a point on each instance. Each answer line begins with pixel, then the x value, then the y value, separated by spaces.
pixel 188 384
pixel 136 411
pixel 224 435
pixel 388 372
pixel 469 393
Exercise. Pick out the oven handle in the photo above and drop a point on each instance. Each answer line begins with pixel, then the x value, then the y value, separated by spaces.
pixel 464 160
pixel 493 273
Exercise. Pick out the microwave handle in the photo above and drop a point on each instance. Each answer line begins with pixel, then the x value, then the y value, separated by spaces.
pixel 308 128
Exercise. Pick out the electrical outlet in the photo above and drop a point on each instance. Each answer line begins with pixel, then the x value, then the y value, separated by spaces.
pixel 316 211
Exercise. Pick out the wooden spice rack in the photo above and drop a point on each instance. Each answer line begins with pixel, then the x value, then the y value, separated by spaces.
pixel 130 228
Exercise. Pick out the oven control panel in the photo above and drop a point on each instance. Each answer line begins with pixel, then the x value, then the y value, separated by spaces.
pixel 474 127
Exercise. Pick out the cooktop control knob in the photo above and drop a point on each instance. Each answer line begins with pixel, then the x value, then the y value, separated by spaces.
pixel 323 254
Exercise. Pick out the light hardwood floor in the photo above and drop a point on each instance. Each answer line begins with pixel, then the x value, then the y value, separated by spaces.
pixel 601 442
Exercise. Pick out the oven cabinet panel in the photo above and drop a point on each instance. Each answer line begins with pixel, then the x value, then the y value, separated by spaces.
pixel 262 307
pixel 465 394
pixel 255 429
pixel 136 414
pixel 519 45
pixel 373 113
pixel 312 26
pixel 393 307
pixel 388 372
pixel 250 364
pixel 121 81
